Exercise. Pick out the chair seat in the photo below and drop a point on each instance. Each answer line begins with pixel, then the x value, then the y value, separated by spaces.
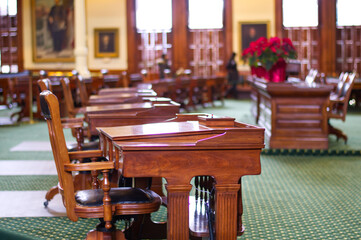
pixel 85 146
pixel 124 195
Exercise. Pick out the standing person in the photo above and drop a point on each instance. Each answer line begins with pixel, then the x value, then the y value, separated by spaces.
pixel 163 65
pixel 232 76
pixel 57 25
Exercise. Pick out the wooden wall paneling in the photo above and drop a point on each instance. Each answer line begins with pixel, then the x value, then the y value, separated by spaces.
pixel 207 49
pixel 348 48
pixel 305 40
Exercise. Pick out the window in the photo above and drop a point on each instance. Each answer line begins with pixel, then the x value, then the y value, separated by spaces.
pixel 205 14
pixel 205 25
pixel 155 15
pixel 9 37
pixel 298 13
pixel 348 12
pixel 154 25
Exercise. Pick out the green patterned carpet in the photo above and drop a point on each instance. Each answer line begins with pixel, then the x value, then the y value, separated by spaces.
pixel 295 197
pixel 307 195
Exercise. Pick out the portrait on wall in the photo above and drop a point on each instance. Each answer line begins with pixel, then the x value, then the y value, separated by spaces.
pixel 53 30
pixel 251 31
pixel 106 42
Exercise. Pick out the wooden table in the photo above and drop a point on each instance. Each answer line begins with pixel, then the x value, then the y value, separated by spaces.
pixel 130 114
pixel 181 150
pixel 144 87
pixel 119 98
pixel 293 114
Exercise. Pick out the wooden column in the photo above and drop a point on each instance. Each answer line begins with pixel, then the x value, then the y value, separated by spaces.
pixel 279 18
pixel 19 16
pixel 226 211
pixel 81 50
pixel 228 31
pixel 327 29
pixel 180 34
pixel 131 37
pixel 178 214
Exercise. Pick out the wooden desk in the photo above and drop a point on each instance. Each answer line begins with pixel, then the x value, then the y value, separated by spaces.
pixel 141 88
pixel 179 151
pixel 119 98
pixel 129 114
pixel 191 91
pixel 294 115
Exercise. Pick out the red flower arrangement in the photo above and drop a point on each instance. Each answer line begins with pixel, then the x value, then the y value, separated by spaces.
pixel 265 56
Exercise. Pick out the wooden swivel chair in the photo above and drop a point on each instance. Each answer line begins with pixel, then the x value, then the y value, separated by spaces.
pixel 336 93
pixel 337 108
pixel 106 203
pixel 69 102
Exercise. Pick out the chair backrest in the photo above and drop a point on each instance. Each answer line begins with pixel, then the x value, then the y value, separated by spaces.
pixel 45 84
pixel 50 109
pixel 341 81
pixel 347 87
pixel 345 97
pixel 82 91
pixel 311 76
pixel 69 102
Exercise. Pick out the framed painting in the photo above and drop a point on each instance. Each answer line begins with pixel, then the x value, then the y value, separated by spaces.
pixel 106 42
pixel 251 31
pixel 53 30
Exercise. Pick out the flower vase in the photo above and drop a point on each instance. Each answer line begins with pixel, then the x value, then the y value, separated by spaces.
pixel 278 72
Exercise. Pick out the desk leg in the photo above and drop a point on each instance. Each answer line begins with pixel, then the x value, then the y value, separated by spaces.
pixel 178 212
pixel 226 211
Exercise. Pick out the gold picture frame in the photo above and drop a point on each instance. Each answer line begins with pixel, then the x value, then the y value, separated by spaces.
pixel 52 25
pixel 106 42
pixel 251 31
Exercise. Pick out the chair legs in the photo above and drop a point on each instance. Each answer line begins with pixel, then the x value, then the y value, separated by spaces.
pixel 337 132
pixel 50 195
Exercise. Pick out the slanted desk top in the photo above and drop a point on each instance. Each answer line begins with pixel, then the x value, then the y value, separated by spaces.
pixel 120 98
pixel 106 91
pixel 129 114
pixel 180 150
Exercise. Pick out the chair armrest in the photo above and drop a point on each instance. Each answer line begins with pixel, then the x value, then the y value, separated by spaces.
pixel 85 154
pixel 92 166
pixel 72 122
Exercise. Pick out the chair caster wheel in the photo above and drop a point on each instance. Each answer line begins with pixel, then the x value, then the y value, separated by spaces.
pixel 46 203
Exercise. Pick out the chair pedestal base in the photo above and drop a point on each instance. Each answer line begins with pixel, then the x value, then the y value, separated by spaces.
pixel 147 229
pixel 113 235
pixel 337 132
pixel 50 194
